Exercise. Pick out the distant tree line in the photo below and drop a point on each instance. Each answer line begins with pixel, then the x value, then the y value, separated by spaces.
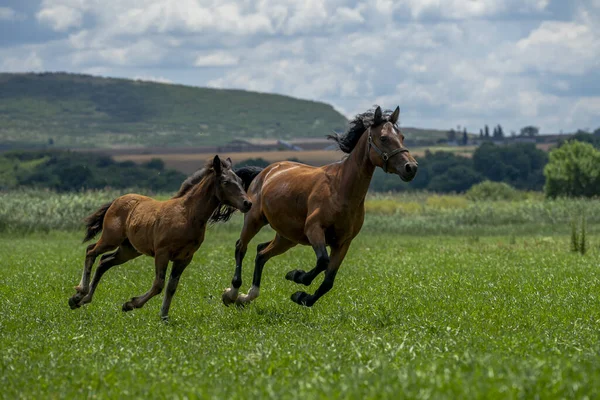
pixel 72 171
pixel 520 165
pixel 460 137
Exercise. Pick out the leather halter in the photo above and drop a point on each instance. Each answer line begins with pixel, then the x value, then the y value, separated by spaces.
pixel 384 156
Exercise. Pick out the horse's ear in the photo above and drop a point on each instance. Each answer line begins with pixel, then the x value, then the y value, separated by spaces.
pixel 230 162
pixel 395 115
pixel 217 165
pixel 378 117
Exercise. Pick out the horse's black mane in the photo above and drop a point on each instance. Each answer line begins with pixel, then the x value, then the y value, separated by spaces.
pixel 347 141
pixel 223 212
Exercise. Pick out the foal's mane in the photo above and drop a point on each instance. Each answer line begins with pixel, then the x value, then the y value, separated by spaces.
pixel 223 212
pixel 347 141
pixel 194 179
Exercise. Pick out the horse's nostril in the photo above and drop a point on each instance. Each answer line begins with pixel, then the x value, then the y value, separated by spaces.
pixel 247 204
pixel 411 168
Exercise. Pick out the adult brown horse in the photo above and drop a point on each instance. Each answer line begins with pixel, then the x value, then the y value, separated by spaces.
pixel 170 230
pixel 319 206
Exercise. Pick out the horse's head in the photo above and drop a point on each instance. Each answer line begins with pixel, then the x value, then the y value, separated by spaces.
pixel 229 186
pixel 386 146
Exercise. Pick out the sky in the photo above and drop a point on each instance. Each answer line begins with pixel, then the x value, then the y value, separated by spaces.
pixel 444 62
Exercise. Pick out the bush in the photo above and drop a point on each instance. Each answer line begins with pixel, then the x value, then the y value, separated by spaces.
pixel 494 191
pixel 573 171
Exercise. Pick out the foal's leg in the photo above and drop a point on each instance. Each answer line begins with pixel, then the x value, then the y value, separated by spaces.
pixel 161 262
pixel 337 256
pixel 124 253
pixel 253 222
pixel 92 251
pixel 265 251
pixel 176 271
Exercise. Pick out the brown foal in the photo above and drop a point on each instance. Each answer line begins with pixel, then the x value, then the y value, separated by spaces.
pixel 170 230
pixel 321 206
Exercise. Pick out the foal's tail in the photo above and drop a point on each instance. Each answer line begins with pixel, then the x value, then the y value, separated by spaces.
pixel 93 222
pixel 247 174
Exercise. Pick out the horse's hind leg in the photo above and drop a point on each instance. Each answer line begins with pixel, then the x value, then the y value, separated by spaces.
pixel 161 262
pixel 176 271
pixel 316 236
pixel 92 251
pixel 253 223
pixel 337 256
pixel 124 253
pixel 265 251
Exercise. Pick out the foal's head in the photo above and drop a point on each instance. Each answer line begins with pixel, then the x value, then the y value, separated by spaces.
pixel 386 146
pixel 228 186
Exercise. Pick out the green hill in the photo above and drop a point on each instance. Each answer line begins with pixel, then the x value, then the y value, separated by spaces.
pixel 86 111
pixel 78 111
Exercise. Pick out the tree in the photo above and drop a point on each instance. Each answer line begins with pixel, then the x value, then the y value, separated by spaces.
pixel 530 131
pixel 519 164
pixel 465 137
pixel 486 132
pixel 582 136
pixel 500 132
pixel 451 135
pixel 597 132
pixel 480 133
pixel 573 170
pixel 457 178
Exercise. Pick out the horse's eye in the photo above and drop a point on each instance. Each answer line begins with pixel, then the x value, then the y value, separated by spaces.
pixel 384 139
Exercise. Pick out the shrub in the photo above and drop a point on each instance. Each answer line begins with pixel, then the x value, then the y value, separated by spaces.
pixel 494 191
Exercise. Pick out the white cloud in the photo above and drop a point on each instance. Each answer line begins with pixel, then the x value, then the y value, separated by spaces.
pixel 30 62
pixel 216 59
pixel 560 47
pixel 60 17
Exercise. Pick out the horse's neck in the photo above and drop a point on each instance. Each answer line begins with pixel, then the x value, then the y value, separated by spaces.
pixel 355 175
pixel 201 201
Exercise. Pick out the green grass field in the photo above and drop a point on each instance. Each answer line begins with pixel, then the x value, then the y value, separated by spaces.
pixel 482 313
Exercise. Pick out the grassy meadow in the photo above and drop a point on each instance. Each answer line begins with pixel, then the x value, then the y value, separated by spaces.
pixel 439 297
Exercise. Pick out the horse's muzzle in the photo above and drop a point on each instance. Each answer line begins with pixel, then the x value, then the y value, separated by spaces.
pixel 408 171
pixel 246 206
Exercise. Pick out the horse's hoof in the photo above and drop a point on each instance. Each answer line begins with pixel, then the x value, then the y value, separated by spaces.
pixel 295 275
pixel 226 297
pixel 73 303
pixel 128 306
pixel 164 318
pixel 301 298
pixel 241 305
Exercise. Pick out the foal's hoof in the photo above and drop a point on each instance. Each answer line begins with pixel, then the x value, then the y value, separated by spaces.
pixel 229 296
pixel 74 303
pixel 128 306
pixel 301 298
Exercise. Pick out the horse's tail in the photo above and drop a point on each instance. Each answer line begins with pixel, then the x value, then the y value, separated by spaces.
pixel 93 222
pixel 247 174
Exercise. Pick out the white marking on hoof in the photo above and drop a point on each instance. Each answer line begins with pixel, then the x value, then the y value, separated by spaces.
pixel 229 296
pixel 247 298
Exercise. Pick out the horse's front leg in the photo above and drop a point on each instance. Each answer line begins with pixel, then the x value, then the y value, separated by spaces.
pixel 264 252
pixel 253 222
pixel 178 268
pixel 335 260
